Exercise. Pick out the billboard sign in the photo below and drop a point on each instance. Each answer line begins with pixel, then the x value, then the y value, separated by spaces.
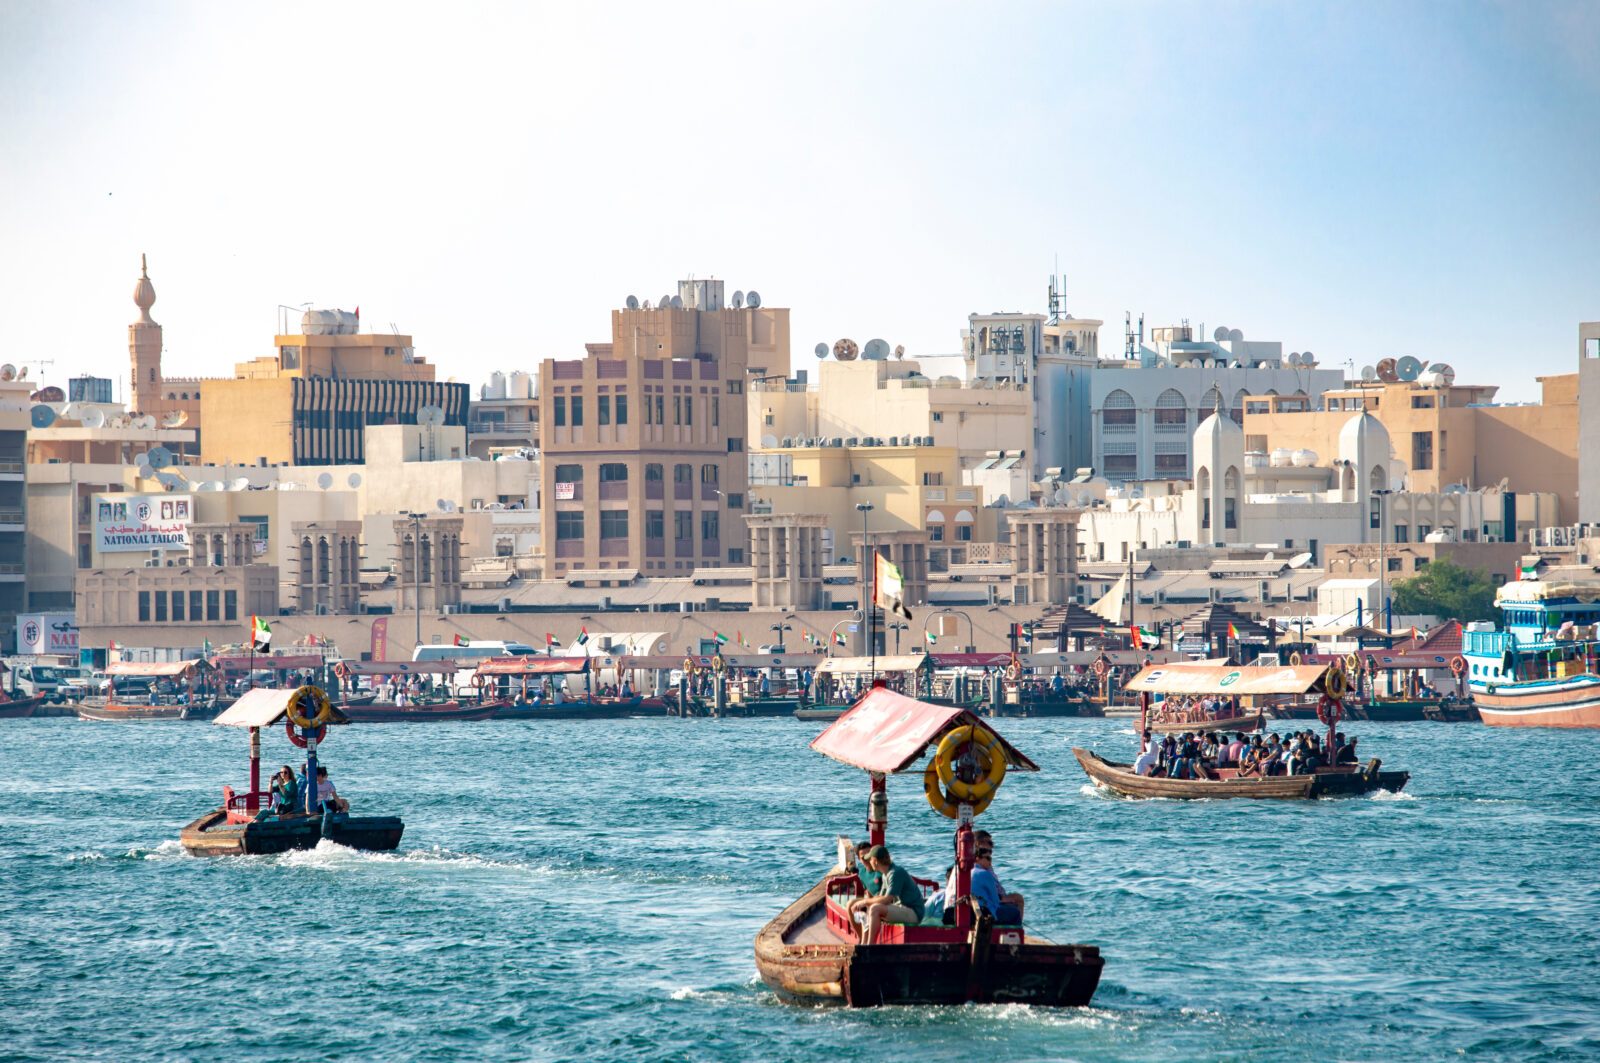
pixel 142 522
pixel 47 633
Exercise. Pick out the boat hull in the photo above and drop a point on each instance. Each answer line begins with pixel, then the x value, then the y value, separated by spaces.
pixel 20 708
pixel 612 709
pixel 1572 702
pixel 374 712
pixel 805 965
pixel 1121 779
pixel 1237 723
pixel 821 712
pixel 111 712
pixel 213 835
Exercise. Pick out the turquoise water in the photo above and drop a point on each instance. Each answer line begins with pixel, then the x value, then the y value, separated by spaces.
pixel 593 889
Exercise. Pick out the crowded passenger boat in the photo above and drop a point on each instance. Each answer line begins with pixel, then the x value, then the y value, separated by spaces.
pixel 1196 763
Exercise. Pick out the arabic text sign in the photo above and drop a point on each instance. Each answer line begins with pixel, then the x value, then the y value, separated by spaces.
pixel 142 522
pixel 47 633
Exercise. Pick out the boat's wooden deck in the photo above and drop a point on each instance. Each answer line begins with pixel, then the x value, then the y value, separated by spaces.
pixel 813 929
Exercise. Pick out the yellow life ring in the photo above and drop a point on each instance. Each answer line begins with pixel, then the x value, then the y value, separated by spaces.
pixel 688 666
pixel 717 663
pixel 318 698
pixel 941 803
pixel 1294 658
pixel 1352 663
pixel 1335 684
pixel 986 745
pixel 1014 669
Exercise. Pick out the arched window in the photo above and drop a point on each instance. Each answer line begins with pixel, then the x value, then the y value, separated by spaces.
pixel 1380 478
pixel 935 516
pixel 1236 411
pixel 1208 405
pixel 1202 484
pixel 1118 414
pixel 652 473
pixel 1172 413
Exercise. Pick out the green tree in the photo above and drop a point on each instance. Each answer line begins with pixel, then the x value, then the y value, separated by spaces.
pixel 1447 590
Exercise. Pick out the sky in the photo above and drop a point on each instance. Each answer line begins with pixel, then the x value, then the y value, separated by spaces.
pixel 1362 180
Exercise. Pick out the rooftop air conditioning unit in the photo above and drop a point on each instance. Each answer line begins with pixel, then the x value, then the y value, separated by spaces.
pixel 788 441
pixel 850 441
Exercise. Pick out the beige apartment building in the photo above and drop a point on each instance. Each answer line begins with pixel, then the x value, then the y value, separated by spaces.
pixel 1443 435
pixel 873 398
pixel 645 440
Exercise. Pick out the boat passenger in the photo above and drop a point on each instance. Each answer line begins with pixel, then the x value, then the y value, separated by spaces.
pixel 986 889
pixel 1347 751
pixel 984 840
pixel 898 900
pixel 1149 761
pixel 327 796
pixel 1236 749
pixel 870 879
pixel 285 792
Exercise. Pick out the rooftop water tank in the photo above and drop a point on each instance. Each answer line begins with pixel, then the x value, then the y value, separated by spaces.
pixel 521 385
pixel 496 388
pixel 1282 457
pixel 329 323
pixel 1304 459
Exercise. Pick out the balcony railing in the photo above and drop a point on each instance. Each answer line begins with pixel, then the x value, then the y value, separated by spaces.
pixel 12 516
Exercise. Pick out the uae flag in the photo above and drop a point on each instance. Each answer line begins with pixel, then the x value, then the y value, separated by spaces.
pixel 890 587
pixel 1233 632
pixel 583 636
pixel 460 641
pixel 260 635
pixel 838 639
pixel 930 637
pixel 722 640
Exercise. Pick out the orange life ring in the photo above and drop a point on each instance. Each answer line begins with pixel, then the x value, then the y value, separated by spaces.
pixel 1100 667
pixel 477 680
pixel 298 739
pixel 1014 669
pixel 1329 711
pixel 1458 664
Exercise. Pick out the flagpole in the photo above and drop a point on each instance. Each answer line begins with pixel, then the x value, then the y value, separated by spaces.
pixel 872 598
pixel 251 683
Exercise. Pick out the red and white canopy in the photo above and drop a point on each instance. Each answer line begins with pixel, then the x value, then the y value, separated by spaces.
pixel 889 732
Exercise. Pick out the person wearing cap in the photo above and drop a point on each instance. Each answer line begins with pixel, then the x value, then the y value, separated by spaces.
pixel 898 899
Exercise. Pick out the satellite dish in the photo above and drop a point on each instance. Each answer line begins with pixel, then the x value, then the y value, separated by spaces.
pixel 633 302
pixel 171 480
pixel 752 299
pixel 677 302
pixel 738 300
pixel 431 416
pixel 241 483
pixel 325 480
pixel 175 420
pixel 1236 335
pixel 442 505
pixel 142 463
pixel 1220 333
pixel 663 302
pixel 846 350
pixel 1294 357
pixel 94 418
pixel 899 350
pixel 1368 373
pixel 875 350
pixel 1408 369
pixel 144 422
pixel 42 416
pixel 647 304
pixel 354 479
pixel 159 457
pixel 822 350
pixel 22 374
pixel 1386 371
pixel 1308 359
pixel 8 371
pixel 1300 560
pixel 1445 370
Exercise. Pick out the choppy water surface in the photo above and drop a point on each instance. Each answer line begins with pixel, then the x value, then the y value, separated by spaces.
pixel 594 889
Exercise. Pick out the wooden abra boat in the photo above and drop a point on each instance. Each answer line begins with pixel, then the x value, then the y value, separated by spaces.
pixel 235 829
pixel 1336 780
pixel 812 952
pixel 117 708
pixel 19 708
pixel 427 712
pixel 1246 723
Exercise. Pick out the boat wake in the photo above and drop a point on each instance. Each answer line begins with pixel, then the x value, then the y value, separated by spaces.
pixel 171 849
pixel 1391 795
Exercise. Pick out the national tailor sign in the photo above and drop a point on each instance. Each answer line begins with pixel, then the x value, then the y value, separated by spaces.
pixel 127 523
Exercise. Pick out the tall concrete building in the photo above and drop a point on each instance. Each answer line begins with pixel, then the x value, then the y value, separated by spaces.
pixel 14 406
pixel 646 439
pixel 1589 422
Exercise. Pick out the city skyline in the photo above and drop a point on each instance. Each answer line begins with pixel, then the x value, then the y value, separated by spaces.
pixel 1311 175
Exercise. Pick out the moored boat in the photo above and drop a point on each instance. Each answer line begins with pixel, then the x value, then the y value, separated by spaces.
pixel 121 706
pixel 242 825
pixel 425 712
pixel 19 708
pixel 1543 670
pixel 812 952
pixel 1208 679
pixel 1243 722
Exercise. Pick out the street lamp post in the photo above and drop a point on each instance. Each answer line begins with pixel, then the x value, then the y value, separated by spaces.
pixel 869 596
pixel 416 573
pixel 897 627
pixel 777 631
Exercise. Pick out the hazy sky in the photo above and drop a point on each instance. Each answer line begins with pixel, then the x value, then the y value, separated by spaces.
pixel 1357 179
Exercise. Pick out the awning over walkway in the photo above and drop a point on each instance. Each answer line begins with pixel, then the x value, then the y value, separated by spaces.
pixel 851 665
pixel 1222 679
pixel 158 669
pixel 534 665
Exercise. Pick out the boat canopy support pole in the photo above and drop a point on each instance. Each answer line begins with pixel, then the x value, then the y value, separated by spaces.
pixel 878 809
pixel 253 801
pixel 1144 717
pixel 966 856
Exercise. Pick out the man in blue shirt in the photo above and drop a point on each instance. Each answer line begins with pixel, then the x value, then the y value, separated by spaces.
pixel 986 888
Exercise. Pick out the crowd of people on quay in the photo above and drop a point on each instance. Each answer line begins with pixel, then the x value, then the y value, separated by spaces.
pixel 890 895
pixel 1204 755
